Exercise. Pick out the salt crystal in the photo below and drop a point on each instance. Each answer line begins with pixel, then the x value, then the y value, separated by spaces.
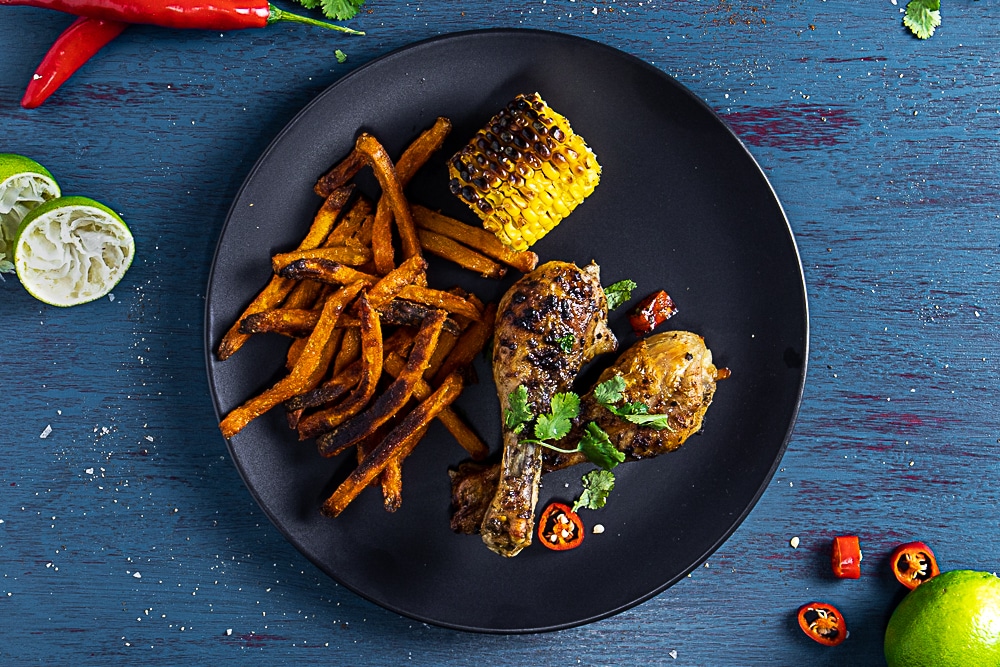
pixel 45 433
pixel 673 654
pixel 598 529
pixel 229 631
pixel 137 575
pixel 794 542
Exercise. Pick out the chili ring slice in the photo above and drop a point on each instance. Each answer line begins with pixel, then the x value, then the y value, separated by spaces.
pixel 823 623
pixel 913 563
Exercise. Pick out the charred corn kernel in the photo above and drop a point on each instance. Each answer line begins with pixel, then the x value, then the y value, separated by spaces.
pixel 524 171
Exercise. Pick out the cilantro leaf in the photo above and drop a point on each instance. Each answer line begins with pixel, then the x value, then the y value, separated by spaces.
pixel 597 447
pixel 597 484
pixel 619 292
pixel 610 391
pixel 922 17
pixel 518 415
pixel 556 424
pixel 340 56
pixel 340 10
pixel 566 342
pixel 642 418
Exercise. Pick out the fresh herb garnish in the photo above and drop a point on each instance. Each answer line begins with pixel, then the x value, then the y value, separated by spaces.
pixel 518 415
pixel 610 392
pixel 340 56
pixel 922 17
pixel 619 292
pixel 566 342
pixel 557 423
pixel 597 485
pixel 339 10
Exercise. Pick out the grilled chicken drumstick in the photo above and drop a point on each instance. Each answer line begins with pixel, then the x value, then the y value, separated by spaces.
pixel 555 303
pixel 672 373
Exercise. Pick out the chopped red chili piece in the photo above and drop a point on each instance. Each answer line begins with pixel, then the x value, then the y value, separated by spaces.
pixel 823 623
pixel 913 563
pixel 651 312
pixel 560 528
pixel 846 557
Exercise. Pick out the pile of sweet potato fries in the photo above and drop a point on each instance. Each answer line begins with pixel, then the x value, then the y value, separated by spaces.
pixel 376 354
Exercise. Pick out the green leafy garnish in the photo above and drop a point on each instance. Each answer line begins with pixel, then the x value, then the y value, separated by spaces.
pixel 340 56
pixel 566 342
pixel 610 392
pixel 557 423
pixel 922 17
pixel 597 447
pixel 597 485
pixel 619 292
pixel 339 10
pixel 518 415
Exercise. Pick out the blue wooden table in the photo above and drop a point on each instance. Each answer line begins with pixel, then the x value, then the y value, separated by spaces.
pixel 126 533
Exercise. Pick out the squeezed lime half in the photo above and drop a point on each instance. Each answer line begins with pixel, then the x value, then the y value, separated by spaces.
pixel 24 184
pixel 72 250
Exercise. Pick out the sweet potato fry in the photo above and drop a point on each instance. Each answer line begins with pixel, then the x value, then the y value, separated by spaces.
pixel 465 436
pixel 295 351
pixel 350 350
pixel 371 370
pixel 405 274
pixel 476 238
pixel 392 194
pixel 295 322
pixel 446 301
pixel 307 372
pixel 453 251
pixel 326 271
pixel 395 447
pixel 351 222
pixel 389 403
pixel 414 157
pixel 471 343
pixel 400 312
pixel 340 174
pixel 349 255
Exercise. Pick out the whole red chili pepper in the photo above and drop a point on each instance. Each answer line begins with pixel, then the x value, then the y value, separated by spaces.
pixel 199 14
pixel 75 46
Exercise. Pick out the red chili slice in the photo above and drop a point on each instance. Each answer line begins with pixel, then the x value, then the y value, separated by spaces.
pixel 559 527
pixel 846 557
pixel 913 563
pixel 823 623
pixel 651 312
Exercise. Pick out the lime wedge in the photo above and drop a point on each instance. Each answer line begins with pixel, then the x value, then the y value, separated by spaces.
pixel 24 184
pixel 72 250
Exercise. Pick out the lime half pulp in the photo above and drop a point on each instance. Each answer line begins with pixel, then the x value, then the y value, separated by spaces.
pixel 24 184
pixel 72 250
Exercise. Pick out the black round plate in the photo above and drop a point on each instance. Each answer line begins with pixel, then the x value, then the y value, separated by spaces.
pixel 682 206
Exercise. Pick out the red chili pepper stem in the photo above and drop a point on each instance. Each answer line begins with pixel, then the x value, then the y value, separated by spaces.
pixel 274 15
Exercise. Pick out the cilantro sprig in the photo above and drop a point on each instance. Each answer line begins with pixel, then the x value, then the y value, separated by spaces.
pixel 611 392
pixel 619 292
pixel 339 10
pixel 597 486
pixel 922 17
pixel 556 424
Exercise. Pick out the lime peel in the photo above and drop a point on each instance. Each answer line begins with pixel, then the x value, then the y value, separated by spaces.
pixel 24 184
pixel 72 250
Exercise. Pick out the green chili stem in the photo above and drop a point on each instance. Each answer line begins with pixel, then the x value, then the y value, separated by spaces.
pixel 276 15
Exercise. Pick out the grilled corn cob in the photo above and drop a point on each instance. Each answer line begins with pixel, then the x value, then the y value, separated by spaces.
pixel 524 171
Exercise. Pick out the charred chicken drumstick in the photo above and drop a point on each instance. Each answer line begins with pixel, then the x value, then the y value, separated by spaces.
pixel 672 373
pixel 555 303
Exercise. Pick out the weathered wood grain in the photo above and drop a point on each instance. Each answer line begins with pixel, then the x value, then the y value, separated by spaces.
pixel 127 534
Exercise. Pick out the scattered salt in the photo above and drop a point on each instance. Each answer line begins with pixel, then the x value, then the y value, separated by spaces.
pixel 45 433
pixel 673 654
pixel 598 529
pixel 794 542
pixel 137 575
